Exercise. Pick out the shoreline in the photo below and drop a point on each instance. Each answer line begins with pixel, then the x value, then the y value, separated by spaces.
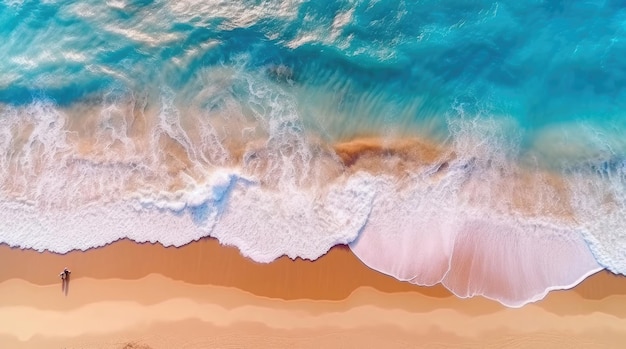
pixel 208 295
pixel 208 252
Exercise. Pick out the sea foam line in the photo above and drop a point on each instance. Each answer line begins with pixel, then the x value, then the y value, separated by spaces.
pixel 407 207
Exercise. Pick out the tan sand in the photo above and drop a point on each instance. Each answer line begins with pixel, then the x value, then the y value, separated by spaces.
pixel 332 277
pixel 205 295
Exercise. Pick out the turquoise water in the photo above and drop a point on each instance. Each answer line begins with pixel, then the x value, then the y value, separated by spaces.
pixel 541 62
pixel 146 102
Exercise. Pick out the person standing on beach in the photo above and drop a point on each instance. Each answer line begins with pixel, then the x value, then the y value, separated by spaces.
pixel 65 273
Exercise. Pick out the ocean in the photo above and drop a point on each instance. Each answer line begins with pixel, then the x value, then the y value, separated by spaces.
pixel 477 144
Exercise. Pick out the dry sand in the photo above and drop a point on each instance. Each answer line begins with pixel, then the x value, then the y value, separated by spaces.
pixel 205 295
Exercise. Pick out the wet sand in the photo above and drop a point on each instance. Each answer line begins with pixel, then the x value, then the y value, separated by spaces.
pixel 205 295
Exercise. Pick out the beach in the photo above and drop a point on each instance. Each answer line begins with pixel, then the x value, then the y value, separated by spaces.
pixel 206 295
pixel 312 174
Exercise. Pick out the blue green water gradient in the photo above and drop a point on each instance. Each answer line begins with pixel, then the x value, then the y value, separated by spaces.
pixel 113 92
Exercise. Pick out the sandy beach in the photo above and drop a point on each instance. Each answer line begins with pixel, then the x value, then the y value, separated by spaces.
pixel 302 174
pixel 205 295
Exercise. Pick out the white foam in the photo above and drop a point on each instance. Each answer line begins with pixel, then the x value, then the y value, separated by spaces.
pixel 169 180
pixel 264 224
pixel 513 262
pixel 599 200
pixel 401 238
pixel 516 262
pixel 589 153
pixel 174 180
pixel 461 226
pixel 210 193
pixel 92 226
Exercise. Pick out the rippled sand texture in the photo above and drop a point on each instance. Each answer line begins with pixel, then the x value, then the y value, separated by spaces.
pixel 206 295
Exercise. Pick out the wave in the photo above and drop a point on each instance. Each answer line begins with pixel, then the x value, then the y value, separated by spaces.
pixel 467 213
